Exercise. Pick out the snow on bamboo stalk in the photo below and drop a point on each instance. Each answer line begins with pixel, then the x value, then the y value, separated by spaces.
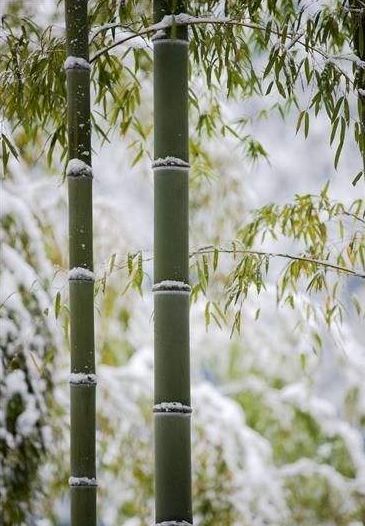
pixel 172 409
pixel 81 279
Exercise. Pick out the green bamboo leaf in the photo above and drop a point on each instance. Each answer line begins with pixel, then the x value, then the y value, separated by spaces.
pixel 138 278
pixel 341 142
pixel 357 305
pixel 218 323
pixel 281 89
pixel 337 109
pixel 300 119
pixel 307 70
pixel 269 88
pixel 346 111
pixel 206 268
pixel 306 124
pixel 112 263
pixel 215 259
pixel 334 129
pixel 10 146
pixel 357 178
pixel 271 62
pixel 130 264
pixel 268 32
pixel 207 315
pixel 57 305
pixel 5 156
pixel 51 147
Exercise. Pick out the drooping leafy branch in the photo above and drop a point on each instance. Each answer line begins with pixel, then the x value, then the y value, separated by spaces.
pixel 303 55
pixel 330 241
pixel 326 241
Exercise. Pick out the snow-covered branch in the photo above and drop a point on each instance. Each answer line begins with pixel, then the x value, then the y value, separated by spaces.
pixel 184 19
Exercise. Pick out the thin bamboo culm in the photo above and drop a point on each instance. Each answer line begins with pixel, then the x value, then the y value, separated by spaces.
pixel 358 18
pixel 172 411
pixel 81 281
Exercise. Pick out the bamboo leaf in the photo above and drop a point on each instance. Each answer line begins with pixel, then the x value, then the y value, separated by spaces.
pixel 215 259
pixel 300 118
pixel 357 178
pixel 112 263
pixel 207 315
pixel 306 124
pixel 57 305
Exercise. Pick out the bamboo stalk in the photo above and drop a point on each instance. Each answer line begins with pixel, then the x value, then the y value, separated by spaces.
pixel 358 18
pixel 171 274
pixel 81 280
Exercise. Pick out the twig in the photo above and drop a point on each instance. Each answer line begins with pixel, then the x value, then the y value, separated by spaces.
pixel 106 27
pixel 305 259
pixel 190 21
pixel 210 249
pixel 354 216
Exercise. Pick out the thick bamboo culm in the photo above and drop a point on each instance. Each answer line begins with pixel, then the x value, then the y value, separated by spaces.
pixel 172 411
pixel 81 281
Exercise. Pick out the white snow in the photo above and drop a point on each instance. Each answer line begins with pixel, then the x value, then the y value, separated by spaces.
pixel 15 383
pixel 186 19
pixel 173 523
pixel 170 161
pixel 361 92
pixel 27 420
pixel 76 63
pixel 171 285
pixel 82 481
pixel 77 168
pixel 80 273
pixel 83 378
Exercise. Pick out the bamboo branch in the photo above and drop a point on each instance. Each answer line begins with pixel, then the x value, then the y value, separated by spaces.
pixel 187 20
pixel 354 216
pixel 304 259
pixel 106 27
pixel 210 249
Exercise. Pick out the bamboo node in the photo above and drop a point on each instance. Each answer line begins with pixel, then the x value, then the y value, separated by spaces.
pixel 171 286
pixel 76 63
pixel 78 168
pixel 170 161
pixel 81 274
pixel 172 407
pixel 173 523
pixel 82 481
pixel 83 379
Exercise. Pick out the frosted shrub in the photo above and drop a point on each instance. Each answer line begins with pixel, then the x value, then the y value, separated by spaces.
pixel 27 349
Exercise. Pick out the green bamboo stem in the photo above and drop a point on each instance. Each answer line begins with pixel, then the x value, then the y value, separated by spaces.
pixel 358 18
pixel 81 281
pixel 173 502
